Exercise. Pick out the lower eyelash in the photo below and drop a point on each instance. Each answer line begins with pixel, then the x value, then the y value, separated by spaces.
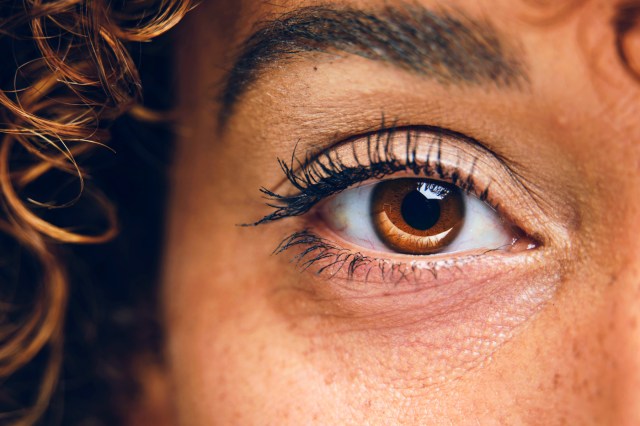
pixel 331 260
pixel 318 249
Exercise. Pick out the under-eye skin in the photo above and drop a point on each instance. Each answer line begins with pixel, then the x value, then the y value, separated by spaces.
pixel 420 190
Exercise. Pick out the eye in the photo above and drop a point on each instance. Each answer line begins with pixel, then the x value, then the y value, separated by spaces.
pixel 416 216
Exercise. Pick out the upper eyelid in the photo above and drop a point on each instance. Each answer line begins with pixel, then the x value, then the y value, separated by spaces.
pixel 325 167
pixel 376 142
pixel 384 131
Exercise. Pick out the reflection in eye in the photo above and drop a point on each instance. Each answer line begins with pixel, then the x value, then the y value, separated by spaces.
pixel 415 216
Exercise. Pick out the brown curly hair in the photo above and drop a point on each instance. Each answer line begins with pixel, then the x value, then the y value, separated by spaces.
pixel 68 76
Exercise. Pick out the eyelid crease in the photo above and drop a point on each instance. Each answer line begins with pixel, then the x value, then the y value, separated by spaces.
pixel 380 131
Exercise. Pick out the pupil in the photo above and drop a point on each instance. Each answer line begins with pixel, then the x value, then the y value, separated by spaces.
pixel 420 212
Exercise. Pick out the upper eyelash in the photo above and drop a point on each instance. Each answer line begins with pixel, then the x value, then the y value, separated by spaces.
pixel 315 179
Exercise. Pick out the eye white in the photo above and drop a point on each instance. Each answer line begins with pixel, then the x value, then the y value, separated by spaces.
pixel 348 214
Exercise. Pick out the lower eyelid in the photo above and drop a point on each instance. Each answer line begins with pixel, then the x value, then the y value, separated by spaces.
pixel 325 258
pixel 430 294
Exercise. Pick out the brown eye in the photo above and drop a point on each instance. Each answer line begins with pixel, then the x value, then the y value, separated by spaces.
pixel 417 216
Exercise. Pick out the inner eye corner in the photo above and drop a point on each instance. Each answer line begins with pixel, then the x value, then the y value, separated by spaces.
pixel 535 241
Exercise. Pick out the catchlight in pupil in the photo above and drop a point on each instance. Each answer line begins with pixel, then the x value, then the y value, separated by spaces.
pixel 417 216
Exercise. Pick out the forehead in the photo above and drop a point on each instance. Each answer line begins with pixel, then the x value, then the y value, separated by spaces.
pixel 246 13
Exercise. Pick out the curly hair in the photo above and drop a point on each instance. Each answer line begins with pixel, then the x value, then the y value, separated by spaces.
pixel 73 76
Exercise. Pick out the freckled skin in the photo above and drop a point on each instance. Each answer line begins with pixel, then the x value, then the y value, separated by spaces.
pixel 551 340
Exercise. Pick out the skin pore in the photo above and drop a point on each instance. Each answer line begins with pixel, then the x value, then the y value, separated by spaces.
pixel 545 334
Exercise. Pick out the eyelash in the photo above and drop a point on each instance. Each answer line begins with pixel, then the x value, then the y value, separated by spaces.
pixel 315 180
pixel 323 175
pixel 317 249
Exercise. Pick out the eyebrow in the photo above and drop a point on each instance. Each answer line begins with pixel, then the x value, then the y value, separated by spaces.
pixel 446 46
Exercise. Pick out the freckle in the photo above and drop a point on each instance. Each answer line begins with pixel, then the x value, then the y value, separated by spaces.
pixel 633 323
pixel 328 380
pixel 556 380
pixel 315 68
pixel 577 354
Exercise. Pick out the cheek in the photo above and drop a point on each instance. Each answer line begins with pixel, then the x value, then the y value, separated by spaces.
pixel 232 361
pixel 583 360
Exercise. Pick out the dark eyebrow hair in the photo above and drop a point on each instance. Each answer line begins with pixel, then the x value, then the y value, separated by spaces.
pixel 446 46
